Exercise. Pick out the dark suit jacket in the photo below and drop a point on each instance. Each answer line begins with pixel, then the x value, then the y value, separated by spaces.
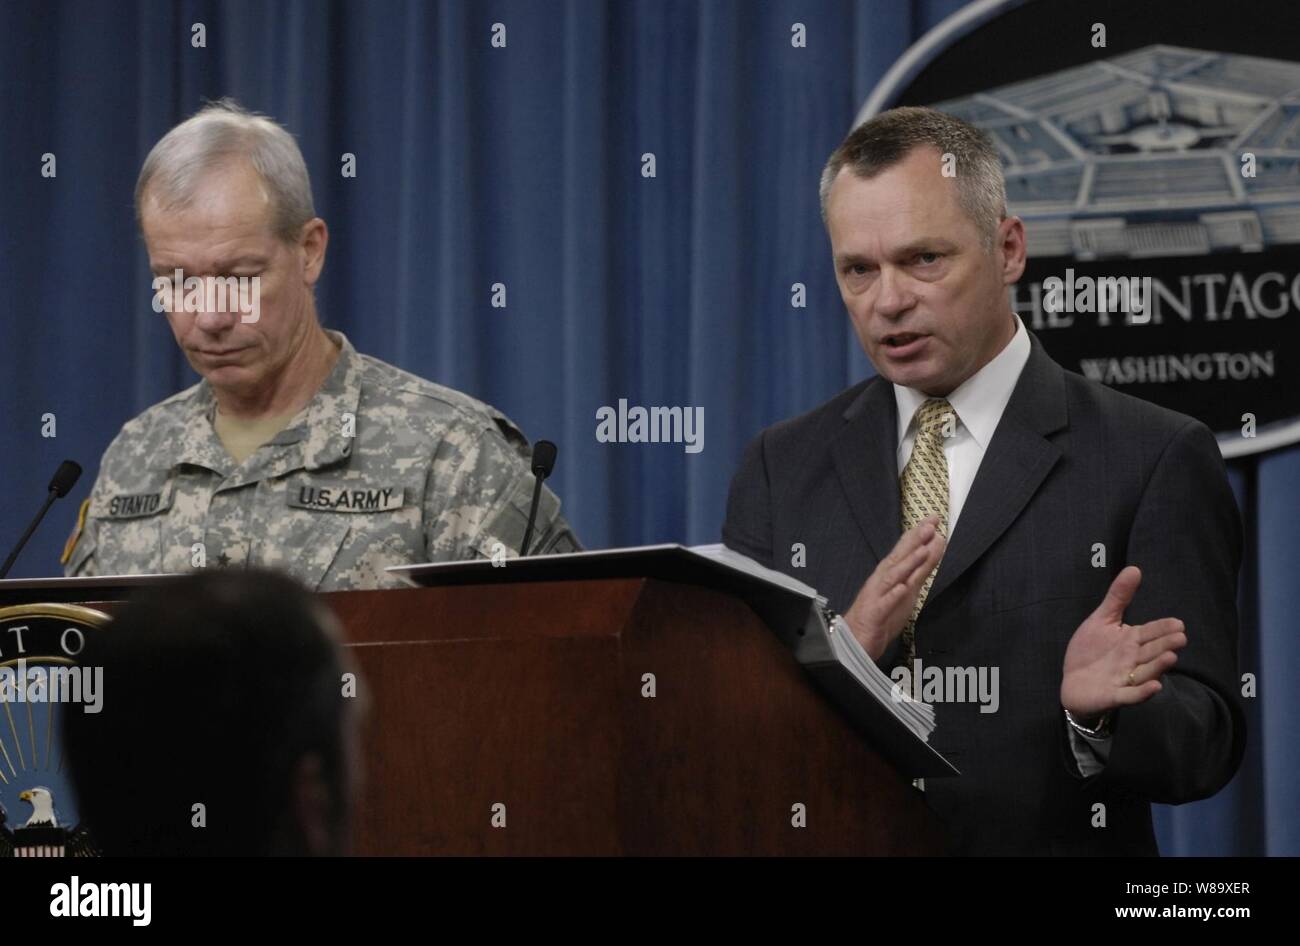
pixel 1072 463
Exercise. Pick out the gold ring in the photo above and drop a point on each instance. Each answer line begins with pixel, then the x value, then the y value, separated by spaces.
pixel 1131 682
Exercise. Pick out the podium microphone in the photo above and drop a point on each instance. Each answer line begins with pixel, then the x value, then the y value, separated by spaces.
pixel 65 477
pixel 543 464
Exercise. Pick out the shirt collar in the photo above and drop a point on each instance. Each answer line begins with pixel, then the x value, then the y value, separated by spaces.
pixel 322 422
pixel 979 400
pixel 318 426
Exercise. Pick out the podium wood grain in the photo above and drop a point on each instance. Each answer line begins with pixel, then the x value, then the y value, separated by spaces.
pixel 530 696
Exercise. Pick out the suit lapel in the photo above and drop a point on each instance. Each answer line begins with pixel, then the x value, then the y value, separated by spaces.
pixel 866 460
pixel 1015 464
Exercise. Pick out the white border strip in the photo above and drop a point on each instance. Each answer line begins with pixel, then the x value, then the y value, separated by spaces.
pixel 1271 438
pixel 920 53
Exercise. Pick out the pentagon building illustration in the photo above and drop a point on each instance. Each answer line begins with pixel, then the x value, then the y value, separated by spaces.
pixel 1149 153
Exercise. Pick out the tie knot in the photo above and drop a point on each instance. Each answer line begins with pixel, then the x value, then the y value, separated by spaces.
pixel 932 415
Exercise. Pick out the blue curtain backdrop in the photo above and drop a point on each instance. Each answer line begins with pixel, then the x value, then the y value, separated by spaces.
pixel 478 165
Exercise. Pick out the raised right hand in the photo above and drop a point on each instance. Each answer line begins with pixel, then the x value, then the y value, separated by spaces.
pixel 884 603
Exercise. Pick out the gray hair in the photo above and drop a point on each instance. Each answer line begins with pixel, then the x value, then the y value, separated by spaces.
pixel 888 138
pixel 218 135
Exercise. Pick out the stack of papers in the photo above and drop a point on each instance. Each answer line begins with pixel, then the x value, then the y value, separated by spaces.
pixel 835 644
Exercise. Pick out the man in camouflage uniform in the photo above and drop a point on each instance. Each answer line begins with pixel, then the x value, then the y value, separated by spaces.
pixel 295 452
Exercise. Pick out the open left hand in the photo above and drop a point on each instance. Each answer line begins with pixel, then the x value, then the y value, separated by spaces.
pixel 1109 663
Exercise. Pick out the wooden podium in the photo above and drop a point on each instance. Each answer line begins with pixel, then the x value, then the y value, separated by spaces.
pixel 610 716
pixel 617 716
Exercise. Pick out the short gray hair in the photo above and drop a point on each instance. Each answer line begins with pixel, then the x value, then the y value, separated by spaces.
pixel 888 138
pixel 218 135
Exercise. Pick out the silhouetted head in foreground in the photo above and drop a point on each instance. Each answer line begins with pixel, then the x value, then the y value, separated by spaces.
pixel 225 728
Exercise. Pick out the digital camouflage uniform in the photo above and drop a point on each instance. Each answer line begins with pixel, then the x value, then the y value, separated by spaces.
pixel 381 468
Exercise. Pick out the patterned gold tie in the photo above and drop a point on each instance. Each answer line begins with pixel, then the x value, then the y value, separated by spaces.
pixel 923 486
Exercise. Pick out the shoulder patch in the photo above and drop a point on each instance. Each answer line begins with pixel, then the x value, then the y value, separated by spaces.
pixel 75 537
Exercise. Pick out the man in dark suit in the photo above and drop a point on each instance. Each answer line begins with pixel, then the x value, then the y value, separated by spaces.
pixel 975 506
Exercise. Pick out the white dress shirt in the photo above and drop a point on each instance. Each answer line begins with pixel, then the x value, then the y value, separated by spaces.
pixel 978 403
